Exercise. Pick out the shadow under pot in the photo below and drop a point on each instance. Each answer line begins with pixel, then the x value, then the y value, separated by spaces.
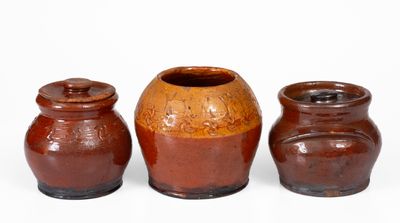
pixel 198 128
pixel 78 146
pixel 325 144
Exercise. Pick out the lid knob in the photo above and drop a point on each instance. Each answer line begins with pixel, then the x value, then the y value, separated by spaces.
pixel 77 84
pixel 324 97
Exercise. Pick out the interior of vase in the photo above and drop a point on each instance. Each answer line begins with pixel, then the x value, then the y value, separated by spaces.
pixel 197 76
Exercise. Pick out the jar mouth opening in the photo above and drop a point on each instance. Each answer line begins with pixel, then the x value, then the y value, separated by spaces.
pixel 197 76
pixel 323 94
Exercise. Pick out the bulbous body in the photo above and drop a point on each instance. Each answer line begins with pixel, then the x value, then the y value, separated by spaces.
pixel 198 128
pixel 325 144
pixel 78 150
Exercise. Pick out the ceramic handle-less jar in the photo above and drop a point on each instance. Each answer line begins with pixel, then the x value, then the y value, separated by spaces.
pixel 325 144
pixel 199 129
pixel 78 147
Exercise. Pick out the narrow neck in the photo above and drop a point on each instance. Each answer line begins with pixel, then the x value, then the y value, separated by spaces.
pixel 312 116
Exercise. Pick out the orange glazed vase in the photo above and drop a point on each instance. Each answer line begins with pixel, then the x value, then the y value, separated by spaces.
pixel 198 128
pixel 79 146
pixel 325 144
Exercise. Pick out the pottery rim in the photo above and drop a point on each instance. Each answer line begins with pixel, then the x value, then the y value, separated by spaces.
pixel 287 94
pixel 208 77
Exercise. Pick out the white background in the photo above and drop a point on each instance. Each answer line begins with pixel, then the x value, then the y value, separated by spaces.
pixel 270 43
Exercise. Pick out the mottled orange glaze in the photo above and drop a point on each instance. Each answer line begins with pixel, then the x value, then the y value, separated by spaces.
pixel 199 129
pixel 325 148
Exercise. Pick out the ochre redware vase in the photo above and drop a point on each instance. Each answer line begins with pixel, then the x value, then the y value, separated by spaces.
pixel 78 147
pixel 199 129
pixel 325 144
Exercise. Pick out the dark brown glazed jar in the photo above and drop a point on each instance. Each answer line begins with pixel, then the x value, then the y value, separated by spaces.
pixel 79 146
pixel 325 144
pixel 198 128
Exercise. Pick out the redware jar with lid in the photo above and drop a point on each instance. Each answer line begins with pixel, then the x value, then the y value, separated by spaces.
pixel 79 146
pixel 325 143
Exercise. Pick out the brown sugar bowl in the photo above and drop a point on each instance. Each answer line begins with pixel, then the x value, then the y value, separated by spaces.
pixel 325 144
pixel 198 128
pixel 79 146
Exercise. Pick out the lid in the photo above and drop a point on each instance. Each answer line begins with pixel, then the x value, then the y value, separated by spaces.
pixel 76 90
pixel 324 94
pixel 327 96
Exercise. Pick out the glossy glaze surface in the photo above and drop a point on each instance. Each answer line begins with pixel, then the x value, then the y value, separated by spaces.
pixel 79 146
pixel 325 144
pixel 199 129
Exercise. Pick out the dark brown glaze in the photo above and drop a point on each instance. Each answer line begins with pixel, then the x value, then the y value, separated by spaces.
pixel 78 148
pixel 325 144
pixel 198 168
pixel 198 128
